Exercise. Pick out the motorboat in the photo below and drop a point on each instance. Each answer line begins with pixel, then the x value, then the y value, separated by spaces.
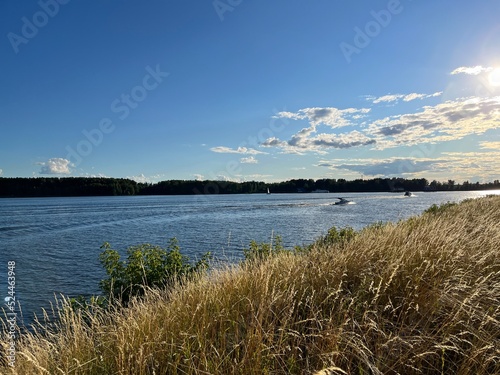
pixel 342 201
pixel 408 194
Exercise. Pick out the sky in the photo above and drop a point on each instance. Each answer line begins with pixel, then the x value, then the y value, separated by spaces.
pixel 246 90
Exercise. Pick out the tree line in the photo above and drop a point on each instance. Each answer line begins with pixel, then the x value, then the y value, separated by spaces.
pixel 67 187
pixel 97 186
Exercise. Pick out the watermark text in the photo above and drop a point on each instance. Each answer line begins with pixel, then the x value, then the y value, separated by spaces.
pixel 364 36
pixel 122 107
pixel 30 26
pixel 10 303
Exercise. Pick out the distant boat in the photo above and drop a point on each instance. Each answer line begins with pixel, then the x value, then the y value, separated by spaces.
pixel 268 192
pixel 343 201
pixel 408 194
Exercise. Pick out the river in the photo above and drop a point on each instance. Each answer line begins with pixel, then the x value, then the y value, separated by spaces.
pixel 55 242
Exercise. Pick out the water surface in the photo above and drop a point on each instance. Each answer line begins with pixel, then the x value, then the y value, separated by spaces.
pixel 55 242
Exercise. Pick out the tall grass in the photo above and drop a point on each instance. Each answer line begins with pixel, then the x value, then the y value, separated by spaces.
pixel 417 297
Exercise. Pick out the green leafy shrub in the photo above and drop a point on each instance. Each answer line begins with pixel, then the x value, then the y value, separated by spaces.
pixel 259 251
pixel 146 266
pixel 334 236
pixel 337 236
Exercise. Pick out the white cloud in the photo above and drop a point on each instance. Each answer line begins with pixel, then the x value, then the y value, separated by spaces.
pixel 273 142
pixel 55 166
pixel 222 177
pixel 471 70
pixel 329 116
pixel 387 98
pixel 198 177
pixel 142 178
pixel 239 150
pixel 305 140
pixel 446 121
pixel 413 96
pixel 254 177
pixel 91 175
pixel 285 147
pixel 1 172
pixel 249 160
pixel 490 145
pixel 338 141
pixel 405 97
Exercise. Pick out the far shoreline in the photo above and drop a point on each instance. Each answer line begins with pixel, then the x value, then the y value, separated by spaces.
pixel 93 186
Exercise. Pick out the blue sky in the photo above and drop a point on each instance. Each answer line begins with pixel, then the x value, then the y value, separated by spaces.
pixel 250 90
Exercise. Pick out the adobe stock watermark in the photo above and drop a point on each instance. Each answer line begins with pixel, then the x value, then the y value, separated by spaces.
pixel 11 315
pixel 224 6
pixel 30 26
pixel 122 107
pixel 364 36
pixel 233 167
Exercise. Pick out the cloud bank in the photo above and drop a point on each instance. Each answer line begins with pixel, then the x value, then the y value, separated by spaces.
pixel 451 120
pixel 325 130
pixel 458 164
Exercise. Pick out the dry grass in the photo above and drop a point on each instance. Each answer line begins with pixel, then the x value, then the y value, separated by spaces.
pixel 417 297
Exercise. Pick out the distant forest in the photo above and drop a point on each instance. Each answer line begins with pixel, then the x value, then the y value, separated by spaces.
pixel 91 186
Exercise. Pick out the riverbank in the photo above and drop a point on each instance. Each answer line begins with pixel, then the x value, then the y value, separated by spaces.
pixel 419 296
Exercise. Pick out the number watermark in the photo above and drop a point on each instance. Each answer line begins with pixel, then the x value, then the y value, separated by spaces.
pixel 10 302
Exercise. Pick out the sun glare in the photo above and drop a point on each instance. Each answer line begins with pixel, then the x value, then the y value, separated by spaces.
pixel 494 77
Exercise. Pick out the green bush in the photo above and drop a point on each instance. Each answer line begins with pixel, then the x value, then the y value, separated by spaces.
pixel 343 235
pixel 146 266
pixel 259 251
pixel 334 236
